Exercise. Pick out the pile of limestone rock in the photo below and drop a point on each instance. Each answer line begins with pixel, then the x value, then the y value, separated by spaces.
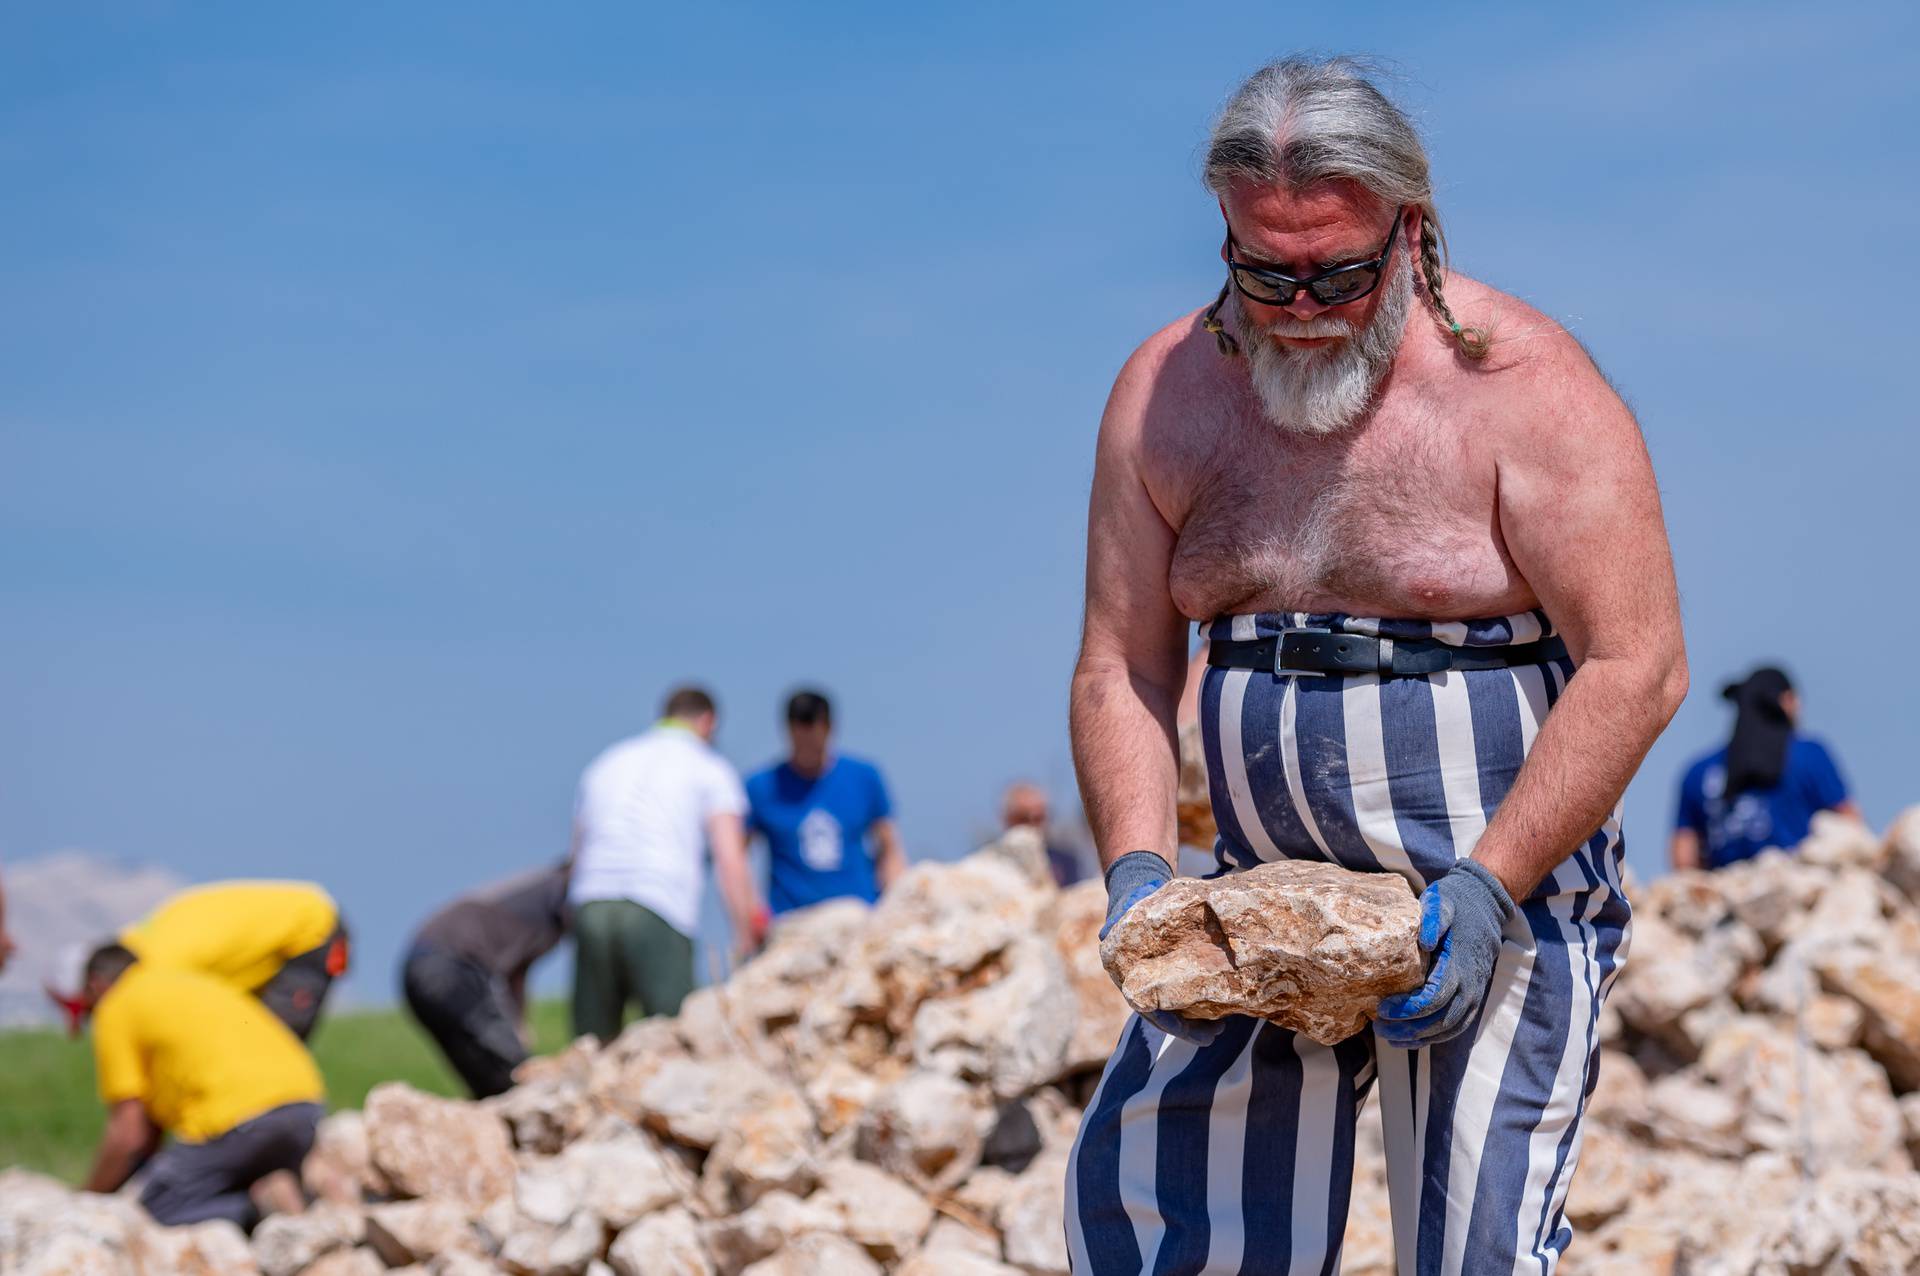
pixel 895 1090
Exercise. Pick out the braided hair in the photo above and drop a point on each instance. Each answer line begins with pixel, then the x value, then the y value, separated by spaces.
pixel 1472 343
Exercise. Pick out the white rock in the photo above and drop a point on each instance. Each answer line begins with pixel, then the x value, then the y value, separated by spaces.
pixel 1012 1034
pixel 925 1128
pixel 1030 1216
pixel 663 1244
pixel 877 1210
pixel 286 1244
pixel 428 1146
pixel 817 1254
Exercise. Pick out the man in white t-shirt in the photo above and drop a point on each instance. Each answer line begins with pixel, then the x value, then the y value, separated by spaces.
pixel 649 809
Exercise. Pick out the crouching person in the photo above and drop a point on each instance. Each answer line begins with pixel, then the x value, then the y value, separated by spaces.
pixel 465 979
pixel 184 1054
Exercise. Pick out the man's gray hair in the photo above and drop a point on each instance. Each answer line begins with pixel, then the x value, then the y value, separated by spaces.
pixel 1303 121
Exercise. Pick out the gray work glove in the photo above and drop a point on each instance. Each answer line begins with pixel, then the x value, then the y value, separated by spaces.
pixel 1130 879
pixel 1461 917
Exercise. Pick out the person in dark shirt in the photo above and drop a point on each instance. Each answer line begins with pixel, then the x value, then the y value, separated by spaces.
pixel 826 817
pixel 465 978
pixel 1763 788
pixel 1025 806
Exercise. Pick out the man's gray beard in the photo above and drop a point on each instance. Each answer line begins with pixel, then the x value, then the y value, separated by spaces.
pixel 1324 391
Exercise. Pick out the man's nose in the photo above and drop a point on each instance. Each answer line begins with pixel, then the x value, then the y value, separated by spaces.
pixel 1304 307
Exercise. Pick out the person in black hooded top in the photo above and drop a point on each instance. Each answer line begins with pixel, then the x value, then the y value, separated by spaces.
pixel 1763 787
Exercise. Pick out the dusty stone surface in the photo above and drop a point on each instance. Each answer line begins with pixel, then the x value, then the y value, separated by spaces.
pixel 1309 946
pixel 428 1146
pixel 666 1243
pixel 817 1254
pixel 340 1167
pixel 287 1244
pixel 403 1232
pixel 926 1128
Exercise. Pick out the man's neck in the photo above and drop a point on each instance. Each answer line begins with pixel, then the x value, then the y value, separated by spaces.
pixel 812 768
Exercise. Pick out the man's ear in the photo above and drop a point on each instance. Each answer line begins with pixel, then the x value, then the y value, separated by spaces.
pixel 1227 232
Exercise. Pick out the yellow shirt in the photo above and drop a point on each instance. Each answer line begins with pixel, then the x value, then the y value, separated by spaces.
pixel 200 1055
pixel 242 932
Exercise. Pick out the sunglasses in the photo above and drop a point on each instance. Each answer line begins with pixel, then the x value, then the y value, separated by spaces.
pixel 1334 287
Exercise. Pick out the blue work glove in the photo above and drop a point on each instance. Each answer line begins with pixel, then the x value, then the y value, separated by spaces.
pixel 1461 917
pixel 1130 879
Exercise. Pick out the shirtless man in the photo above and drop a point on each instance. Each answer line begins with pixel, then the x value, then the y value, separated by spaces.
pixel 1406 508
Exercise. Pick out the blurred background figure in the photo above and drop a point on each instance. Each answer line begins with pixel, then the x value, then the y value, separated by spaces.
pixel 826 817
pixel 1025 806
pixel 1763 787
pixel 6 940
pixel 649 808
pixel 284 942
pixel 183 1053
pixel 465 976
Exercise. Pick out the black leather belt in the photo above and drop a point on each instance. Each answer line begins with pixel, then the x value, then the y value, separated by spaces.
pixel 1316 651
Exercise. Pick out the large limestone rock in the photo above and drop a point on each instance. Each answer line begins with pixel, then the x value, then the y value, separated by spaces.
pixel 428 1146
pixel 1306 945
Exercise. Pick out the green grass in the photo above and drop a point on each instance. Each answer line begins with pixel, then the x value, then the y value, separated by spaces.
pixel 50 1117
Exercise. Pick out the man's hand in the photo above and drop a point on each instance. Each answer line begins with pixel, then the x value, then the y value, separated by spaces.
pixel 1461 917
pixel 1130 879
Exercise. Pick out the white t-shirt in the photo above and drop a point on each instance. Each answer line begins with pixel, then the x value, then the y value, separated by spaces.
pixel 642 812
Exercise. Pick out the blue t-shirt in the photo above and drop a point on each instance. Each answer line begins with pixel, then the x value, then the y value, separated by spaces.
pixel 1758 818
pixel 816 830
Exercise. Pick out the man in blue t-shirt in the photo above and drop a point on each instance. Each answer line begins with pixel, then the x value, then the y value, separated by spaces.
pixel 826 817
pixel 1763 788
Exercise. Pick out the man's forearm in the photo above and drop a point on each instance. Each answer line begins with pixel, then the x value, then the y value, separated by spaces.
pixel 1125 756
pixel 1588 749
pixel 122 1149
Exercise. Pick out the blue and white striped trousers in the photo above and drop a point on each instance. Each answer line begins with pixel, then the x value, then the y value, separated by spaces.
pixel 1237 1157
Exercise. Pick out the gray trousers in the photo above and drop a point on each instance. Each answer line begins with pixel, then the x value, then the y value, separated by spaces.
pixel 193 1182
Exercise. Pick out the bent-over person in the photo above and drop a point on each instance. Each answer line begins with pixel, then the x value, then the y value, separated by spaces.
pixel 465 977
pixel 284 942
pixel 1423 537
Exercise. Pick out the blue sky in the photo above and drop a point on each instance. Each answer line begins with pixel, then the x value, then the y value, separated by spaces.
pixel 393 403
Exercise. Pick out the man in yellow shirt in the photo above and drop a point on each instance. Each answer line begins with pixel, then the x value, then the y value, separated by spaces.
pixel 283 942
pixel 186 1054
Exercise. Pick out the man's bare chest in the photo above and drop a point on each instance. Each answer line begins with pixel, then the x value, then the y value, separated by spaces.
pixel 1399 518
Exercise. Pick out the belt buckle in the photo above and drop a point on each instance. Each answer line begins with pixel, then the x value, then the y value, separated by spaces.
pixel 1280 651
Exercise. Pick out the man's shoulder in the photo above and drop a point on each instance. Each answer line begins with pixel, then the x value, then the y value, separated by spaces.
pixel 1525 342
pixel 1811 748
pixel 1176 357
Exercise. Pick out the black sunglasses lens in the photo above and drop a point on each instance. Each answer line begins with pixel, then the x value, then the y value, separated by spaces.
pixel 1345 285
pixel 1261 288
